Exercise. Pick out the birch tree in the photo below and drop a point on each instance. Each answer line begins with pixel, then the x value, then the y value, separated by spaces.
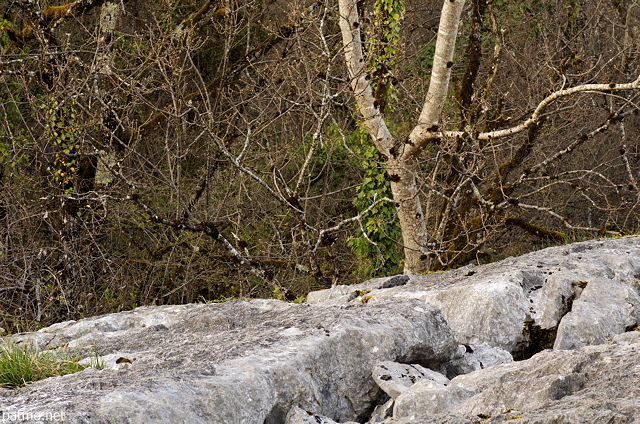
pixel 423 246
pixel 174 151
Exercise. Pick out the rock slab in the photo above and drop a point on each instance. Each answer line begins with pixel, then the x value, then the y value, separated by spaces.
pixel 371 352
pixel 593 384
pixel 237 362
pixel 563 297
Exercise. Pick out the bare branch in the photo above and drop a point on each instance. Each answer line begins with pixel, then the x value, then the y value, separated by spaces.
pixel 251 174
pixel 211 230
pixel 625 157
pixel 565 220
pixel 580 140
pixel 537 113
pixel 344 222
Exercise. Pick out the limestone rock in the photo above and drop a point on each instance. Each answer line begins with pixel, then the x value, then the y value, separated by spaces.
pixel 489 312
pixel 605 307
pixel 518 304
pixel 470 358
pixel 394 378
pixel 555 298
pixel 382 412
pixel 267 361
pixel 593 384
pixel 236 362
pixel 298 415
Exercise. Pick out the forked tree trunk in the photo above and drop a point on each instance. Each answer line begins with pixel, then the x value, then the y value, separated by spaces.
pixel 401 164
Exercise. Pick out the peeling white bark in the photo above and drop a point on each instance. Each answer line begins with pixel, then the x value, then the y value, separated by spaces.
pixel 404 184
pixel 440 76
pixel 360 84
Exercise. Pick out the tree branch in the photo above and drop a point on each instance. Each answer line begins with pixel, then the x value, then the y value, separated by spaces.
pixel 284 32
pixel 344 222
pixel 535 116
pixel 440 76
pixel 211 230
pixel 572 146
pixel 360 82
pixel 536 230
pixel 565 220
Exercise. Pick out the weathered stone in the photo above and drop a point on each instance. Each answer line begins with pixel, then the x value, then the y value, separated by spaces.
pixel 237 362
pixel 555 298
pixel 487 311
pixel 381 412
pixel 598 383
pixel 394 378
pixel 267 361
pixel 490 312
pixel 475 357
pixel 518 304
pixel 298 415
pixel 425 397
pixel 605 307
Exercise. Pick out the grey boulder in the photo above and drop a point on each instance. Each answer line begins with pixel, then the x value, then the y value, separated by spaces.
pixel 564 297
pixel 472 357
pixel 604 308
pixel 298 415
pixel 394 378
pixel 594 384
pixel 237 362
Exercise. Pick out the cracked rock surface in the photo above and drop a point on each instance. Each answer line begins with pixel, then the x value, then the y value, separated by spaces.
pixel 564 297
pixel 435 348
pixel 594 384
pixel 236 362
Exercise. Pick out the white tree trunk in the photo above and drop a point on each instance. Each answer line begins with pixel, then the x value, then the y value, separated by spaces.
pixel 404 186
pixel 356 66
pixel 440 76
pixel 410 212
pixel 400 165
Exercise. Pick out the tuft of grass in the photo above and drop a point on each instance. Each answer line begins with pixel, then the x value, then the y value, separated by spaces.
pixel 24 363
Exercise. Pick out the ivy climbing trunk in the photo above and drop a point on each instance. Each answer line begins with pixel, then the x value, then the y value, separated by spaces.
pixel 400 157
pixel 404 186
